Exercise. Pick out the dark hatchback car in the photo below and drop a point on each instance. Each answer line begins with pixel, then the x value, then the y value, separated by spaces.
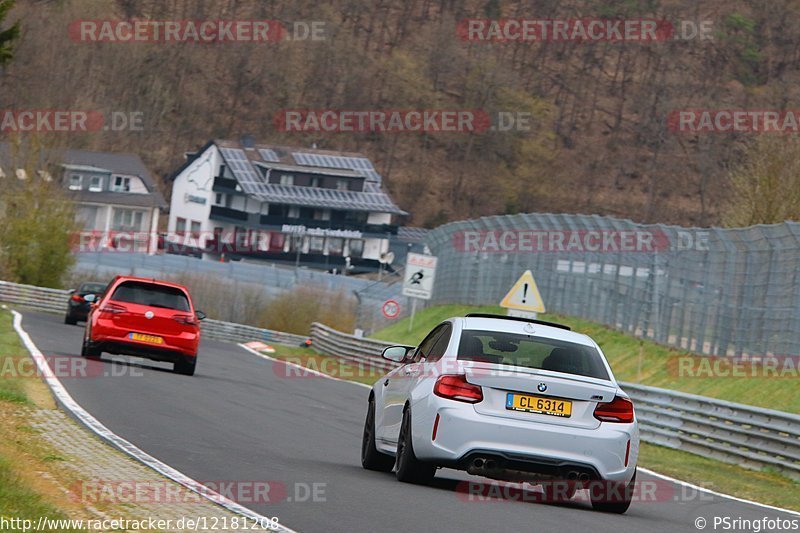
pixel 78 307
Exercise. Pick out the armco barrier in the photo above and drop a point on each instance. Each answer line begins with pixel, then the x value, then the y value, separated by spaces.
pixel 55 301
pixel 748 436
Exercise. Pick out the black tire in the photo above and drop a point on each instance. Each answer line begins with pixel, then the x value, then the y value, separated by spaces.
pixel 90 351
pixel 69 319
pixel 185 366
pixel 371 458
pixel 409 468
pixel 559 491
pixel 609 497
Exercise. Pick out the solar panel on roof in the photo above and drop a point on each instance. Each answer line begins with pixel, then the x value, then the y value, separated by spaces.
pixel 243 170
pixel 268 155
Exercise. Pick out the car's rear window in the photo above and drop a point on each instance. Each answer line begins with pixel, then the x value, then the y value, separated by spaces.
pixel 531 352
pixel 137 292
pixel 92 288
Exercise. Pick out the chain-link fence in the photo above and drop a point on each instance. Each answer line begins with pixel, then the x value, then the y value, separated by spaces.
pixel 714 291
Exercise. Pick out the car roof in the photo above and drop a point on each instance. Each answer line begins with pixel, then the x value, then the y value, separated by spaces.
pixel 524 328
pixel 120 279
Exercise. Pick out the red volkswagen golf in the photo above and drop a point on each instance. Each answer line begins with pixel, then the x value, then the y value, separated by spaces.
pixel 146 318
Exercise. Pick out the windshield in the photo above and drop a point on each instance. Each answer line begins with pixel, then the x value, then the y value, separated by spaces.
pixel 137 292
pixel 531 352
pixel 92 288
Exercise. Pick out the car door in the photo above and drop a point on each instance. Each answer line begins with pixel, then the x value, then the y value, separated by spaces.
pixel 396 386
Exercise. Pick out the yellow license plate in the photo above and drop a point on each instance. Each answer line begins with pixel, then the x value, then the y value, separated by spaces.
pixel 537 404
pixel 152 339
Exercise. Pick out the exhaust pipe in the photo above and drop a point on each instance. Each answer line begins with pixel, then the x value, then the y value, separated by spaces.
pixel 572 475
pixel 584 477
pixel 478 462
pixel 491 464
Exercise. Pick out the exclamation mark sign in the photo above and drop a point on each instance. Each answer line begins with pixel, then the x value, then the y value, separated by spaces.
pixel 524 292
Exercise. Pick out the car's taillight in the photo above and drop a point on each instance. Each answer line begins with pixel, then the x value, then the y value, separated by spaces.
pixel 456 387
pixel 189 320
pixel 112 309
pixel 76 298
pixel 617 410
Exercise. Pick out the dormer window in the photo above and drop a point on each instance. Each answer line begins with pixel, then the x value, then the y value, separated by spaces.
pixel 75 182
pixel 341 185
pixel 96 184
pixel 287 179
pixel 121 184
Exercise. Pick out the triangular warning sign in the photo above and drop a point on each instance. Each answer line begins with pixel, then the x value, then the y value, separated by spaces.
pixel 524 295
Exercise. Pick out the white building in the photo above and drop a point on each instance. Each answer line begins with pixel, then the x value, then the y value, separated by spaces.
pixel 117 202
pixel 316 208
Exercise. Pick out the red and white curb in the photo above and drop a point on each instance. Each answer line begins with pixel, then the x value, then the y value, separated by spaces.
pixel 71 406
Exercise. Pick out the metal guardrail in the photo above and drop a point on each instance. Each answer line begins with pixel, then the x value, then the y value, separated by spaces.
pixel 55 301
pixel 231 332
pixel 749 436
pixel 357 350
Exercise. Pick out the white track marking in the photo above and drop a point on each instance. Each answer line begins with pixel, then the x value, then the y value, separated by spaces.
pixel 70 405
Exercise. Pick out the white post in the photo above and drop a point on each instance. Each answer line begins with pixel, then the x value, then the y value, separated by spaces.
pixel 413 312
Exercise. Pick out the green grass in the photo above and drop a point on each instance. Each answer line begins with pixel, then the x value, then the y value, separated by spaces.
pixel 11 349
pixel 765 487
pixel 632 359
pixel 17 500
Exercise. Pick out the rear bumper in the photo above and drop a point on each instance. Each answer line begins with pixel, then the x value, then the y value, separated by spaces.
pixel 149 351
pixel 463 434
pixel 116 340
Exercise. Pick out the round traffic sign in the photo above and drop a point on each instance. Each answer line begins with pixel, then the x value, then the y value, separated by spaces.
pixel 390 309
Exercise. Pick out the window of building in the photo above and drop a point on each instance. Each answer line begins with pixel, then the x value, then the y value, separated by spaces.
pixel 294 212
pixel 96 184
pixel 342 185
pixel 315 244
pixel 219 198
pixel 195 229
pixel 276 242
pixel 86 217
pixel 287 179
pixel 75 182
pixel 127 220
pixel 335 245
pixel 322 214
pixel 306 212
pixel 180 226
pixel 121 184
pixel 356 247
pixel 314 182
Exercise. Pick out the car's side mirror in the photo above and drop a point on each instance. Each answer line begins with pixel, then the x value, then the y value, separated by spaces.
pixel 200 315
pixel 90 298
pixel 397 354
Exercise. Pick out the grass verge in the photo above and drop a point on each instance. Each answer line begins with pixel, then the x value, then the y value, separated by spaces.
pixel 23 494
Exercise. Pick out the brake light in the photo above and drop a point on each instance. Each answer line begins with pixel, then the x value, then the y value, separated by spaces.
pixel 617 410
pixel 113 309
pixel 456 387
pixel 76 298
pixel 189 320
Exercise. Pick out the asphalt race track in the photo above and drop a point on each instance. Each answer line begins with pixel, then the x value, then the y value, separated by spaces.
pixel 240 419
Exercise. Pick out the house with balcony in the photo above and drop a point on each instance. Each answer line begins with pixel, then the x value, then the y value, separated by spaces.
pixel 117 203
pixel 321 209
